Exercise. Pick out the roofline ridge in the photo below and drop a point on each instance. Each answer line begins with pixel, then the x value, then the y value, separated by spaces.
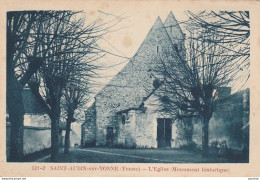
pixel 130 59
pixel 177 23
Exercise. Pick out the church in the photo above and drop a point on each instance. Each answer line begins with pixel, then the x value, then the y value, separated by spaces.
pixel 124 113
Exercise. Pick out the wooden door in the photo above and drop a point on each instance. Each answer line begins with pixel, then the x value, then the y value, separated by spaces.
pixel 164 132
pixel 110 136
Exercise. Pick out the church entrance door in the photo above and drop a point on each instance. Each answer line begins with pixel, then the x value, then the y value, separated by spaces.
pixel 110 136
pixel 164 132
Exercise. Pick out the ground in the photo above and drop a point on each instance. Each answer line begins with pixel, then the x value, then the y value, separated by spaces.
pixel 114 155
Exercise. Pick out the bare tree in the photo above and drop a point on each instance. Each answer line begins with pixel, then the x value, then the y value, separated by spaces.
pixel 75 97
pixel 70 56
pixel 24 57
pixel 232 28
pixel 20 67
pixel 192 84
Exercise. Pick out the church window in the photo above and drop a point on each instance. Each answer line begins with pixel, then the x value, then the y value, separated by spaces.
pixel 123 119
pixel 175 47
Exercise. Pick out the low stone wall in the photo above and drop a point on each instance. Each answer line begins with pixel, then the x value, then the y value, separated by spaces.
pixel 229 123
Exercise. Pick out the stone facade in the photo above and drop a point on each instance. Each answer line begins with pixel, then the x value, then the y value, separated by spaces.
pixel 88 128
pixel 122 109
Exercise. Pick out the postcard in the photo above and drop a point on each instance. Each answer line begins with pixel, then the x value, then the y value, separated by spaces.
pixel 130 88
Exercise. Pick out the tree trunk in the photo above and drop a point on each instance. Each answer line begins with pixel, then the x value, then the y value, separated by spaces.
pixel 67 136
pixel 55 129
pixel 205 136
pixel 54 138
pixel 14 103
pixel 16 107
pixel 68 128
pixel 54 114
pixel 245 135
pixel 14 88
pixel 16 117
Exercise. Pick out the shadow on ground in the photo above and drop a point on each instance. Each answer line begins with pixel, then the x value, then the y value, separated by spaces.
pixel 114 155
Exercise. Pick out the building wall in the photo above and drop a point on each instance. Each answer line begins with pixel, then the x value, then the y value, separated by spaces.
pixel 130 129
pixel 121 129
pixel 75 134
pixel 88 128
pixel 40 141
pixel 35 139
pixel 37 120
pixel 152 114
pixel 229 122
pixel 141 128
pixel 129 87
pixel 175 143
pixel 37 133
pixel 146 130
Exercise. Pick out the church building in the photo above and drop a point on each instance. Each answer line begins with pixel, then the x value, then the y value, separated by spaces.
pixel 124 112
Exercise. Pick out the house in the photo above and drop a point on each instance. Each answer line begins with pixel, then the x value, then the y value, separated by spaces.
pixel 125 110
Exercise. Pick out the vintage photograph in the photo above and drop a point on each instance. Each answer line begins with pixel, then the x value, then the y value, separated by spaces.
pixel 76 95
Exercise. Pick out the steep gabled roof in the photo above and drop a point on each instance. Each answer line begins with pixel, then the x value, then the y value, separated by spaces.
pixel 134 82
pixel 173 29
pixel 31 104
pixel 157 26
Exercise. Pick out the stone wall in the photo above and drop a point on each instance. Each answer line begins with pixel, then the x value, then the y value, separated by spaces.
pixel 153 112
pixel 146 131
pixel 230 122
pixel 129 87
pixel 88 128
pixel 130 127
pixel 121 129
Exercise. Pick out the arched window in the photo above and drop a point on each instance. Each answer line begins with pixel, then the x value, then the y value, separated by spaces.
pixel 123 119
